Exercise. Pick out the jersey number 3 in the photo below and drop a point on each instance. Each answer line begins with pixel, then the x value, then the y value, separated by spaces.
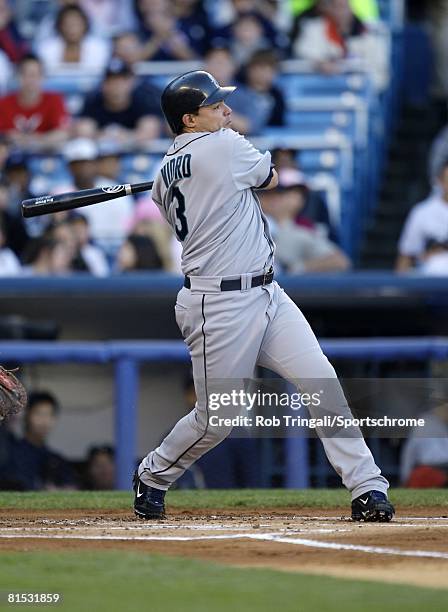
pixel 181 223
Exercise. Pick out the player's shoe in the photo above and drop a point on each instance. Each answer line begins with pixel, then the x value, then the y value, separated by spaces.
pixel 149 502
pixel 372 506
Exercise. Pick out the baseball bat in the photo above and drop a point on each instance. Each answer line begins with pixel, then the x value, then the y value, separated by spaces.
pixel 44 205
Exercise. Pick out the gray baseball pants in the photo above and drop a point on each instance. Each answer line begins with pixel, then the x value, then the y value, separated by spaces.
pixel 228 335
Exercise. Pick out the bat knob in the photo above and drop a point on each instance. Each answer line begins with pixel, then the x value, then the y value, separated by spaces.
pixel 24 210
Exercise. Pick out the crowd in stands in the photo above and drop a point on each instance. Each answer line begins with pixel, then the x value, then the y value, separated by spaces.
pixel 240 42
pixel 424 239
pixel 28 463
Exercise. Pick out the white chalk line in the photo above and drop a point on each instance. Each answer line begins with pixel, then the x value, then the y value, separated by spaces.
pixel 267 537
pixel 357 547
pixel 69 536
pixel 48 531
pixel 347 519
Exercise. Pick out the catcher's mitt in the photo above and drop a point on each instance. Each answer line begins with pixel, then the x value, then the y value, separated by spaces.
pixel 12 394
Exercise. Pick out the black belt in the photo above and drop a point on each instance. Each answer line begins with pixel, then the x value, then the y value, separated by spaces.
pixel 235 285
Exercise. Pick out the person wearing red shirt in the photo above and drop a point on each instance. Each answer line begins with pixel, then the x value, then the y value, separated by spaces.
pixel 30 117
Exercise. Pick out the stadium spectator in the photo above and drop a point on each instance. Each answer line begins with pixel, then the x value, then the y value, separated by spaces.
pixel 284 158
pixel 109 16
pixel 106 17
pixel 80 154
pixel 11 41
pixel 73 233
pixel 107 223
pixel 127 47
pixel 277 18
pixel 247 37
pixel 138 253
pixel 89 257
pixel 274 19
pixel 35 465
pixel 427 221
pixel 15 234
pixel 18 177
pixel 147 220
pixel 260 74
pixel 299 249
pixel 47 257
pixel 315 210
pixel 73 46
pixel 192 20
pixel 9 264
pixel 120 112
pixel 294 189
pixel 424 458
pixel 249 109
pixel 332 32
pixel 30 117
pixel 118 213
pixel 17 174
pixel 160 34
pixel 435 259
pixel 100 469
pixel 108 163
pixel 61 231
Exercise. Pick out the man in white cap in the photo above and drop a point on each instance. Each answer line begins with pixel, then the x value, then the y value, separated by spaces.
pixel 107 221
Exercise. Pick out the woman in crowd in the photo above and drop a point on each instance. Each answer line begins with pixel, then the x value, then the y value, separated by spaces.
pixel 73 45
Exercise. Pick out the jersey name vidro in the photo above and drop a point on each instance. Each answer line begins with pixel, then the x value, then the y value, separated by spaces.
pixel 177 168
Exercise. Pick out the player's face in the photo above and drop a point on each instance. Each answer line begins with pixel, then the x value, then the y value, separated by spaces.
pixel 210 118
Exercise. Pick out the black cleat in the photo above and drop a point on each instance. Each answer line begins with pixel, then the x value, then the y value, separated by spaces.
pixel 149 502
pixel 372 506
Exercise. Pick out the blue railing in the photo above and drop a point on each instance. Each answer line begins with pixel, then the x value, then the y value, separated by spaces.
pixel 362 281
pixel 127 355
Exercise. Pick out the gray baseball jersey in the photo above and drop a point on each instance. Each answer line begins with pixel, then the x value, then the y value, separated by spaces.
pixel 204 189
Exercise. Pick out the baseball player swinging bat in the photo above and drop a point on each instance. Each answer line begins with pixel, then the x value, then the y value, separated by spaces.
pixel 231 312
pixel 47 204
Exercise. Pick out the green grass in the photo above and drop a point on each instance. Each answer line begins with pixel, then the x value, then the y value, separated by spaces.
pixel 241 498
pixel 122 581
pixel 127 581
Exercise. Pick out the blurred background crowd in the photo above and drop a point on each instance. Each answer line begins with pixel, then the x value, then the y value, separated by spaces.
pixel 350 96
pixel 81 83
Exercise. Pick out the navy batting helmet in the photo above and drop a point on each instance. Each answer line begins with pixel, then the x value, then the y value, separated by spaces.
pixel 187 93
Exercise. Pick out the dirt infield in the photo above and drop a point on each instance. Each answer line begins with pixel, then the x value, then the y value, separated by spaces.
pixel 413 549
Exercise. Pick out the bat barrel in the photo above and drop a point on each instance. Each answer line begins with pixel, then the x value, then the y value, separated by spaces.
pixel 47 204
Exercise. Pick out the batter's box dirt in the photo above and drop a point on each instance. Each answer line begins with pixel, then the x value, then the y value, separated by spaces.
pixel 413 549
